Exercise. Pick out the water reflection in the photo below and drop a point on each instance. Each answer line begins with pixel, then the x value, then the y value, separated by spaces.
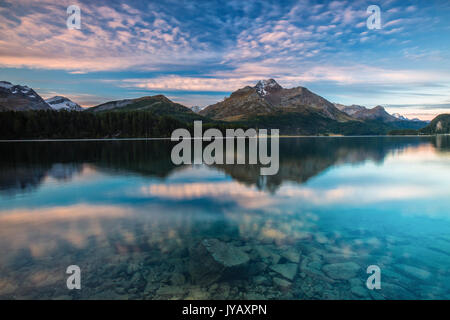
pixel 25 165
pixel 139 226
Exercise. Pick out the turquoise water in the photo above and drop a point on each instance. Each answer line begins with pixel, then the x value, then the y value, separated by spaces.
pixel 141 228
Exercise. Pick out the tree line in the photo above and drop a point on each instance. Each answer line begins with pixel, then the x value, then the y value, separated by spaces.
pixel 51 124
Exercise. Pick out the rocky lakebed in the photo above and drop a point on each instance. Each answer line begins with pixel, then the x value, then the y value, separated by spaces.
pixel 212 268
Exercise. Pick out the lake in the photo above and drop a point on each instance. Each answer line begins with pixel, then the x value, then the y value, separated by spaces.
pixel 140 227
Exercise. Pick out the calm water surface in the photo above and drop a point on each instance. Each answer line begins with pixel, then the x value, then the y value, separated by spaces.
pixel 142 228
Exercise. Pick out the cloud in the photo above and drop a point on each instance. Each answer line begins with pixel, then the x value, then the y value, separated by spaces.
pixel 224 192
pixel 250 73
pixel 421 111
pixel 110 39
pixel 174 82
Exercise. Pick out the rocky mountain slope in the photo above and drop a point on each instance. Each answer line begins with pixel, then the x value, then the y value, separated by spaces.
pixel 63 103
pixel 243 103
pixel 20 98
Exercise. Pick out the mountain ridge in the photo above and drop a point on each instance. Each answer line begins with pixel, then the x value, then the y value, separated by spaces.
pixel 268 97
pixel 267 105
pixel 158 104
pixel 364 113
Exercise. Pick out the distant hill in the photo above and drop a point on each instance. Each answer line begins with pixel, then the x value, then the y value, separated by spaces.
pixel 350 110
pixel 20 98
pixel 378 113
pixel 63 103
pixel 401 117
pixel 158 105
pixel 440 124
pixel 363 113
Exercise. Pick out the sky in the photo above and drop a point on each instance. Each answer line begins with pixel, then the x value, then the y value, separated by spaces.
pixel 198 52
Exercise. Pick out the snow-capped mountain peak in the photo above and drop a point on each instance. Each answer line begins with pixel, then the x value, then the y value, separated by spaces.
pixel 264 87
pixel 399 116
pixel 60 103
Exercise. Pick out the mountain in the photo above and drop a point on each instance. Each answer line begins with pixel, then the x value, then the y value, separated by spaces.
pixel 298 111
pixel 158 105
pixel 269 98
pixel 377 113
pixel 399 117
pixel 20 98
pixel 440 124
pixel 267 105
pixel 363 113
pixel 241 104
pixel 350 110
pixel 403 118
pixel 63 103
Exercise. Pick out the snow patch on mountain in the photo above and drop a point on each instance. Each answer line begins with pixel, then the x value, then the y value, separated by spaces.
pixel 6 85
pixel 399 116
pixel 196 109
pixel 264 87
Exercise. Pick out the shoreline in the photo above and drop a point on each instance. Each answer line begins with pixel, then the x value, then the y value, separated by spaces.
pixel 169 139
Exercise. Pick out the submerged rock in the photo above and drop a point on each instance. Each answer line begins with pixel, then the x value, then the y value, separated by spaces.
pixel 338 257
pixel 281 283
pixel 414 271
pixel 360 291
pixel 225 254
pixel 132 268
pixel 261 280
pixel 309 271
pixel 211 259
pixel 177 279
pixel 341 271
pixel 268 254
pixel 254 296
pixel 287 270
pixel 170 292
pixel 197 293
pixel 291 255
pixel 394 292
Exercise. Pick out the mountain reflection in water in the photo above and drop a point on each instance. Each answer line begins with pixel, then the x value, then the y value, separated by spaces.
pixel 25 165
